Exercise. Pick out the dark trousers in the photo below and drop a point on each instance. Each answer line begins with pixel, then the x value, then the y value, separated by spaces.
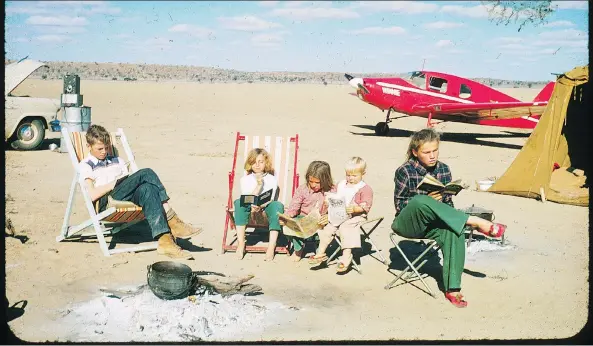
pixel 143 188
pixel 424 217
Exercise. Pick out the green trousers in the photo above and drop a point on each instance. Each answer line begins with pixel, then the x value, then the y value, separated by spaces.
pixel 271 210
pixel 299 243
pixel 426 218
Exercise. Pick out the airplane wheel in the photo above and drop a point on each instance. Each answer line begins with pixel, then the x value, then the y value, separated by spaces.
pixel 381 129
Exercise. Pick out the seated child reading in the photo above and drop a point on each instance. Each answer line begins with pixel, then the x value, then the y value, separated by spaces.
pixel 358 196
pixel 308 196
pixel 260 178
pixel 432 215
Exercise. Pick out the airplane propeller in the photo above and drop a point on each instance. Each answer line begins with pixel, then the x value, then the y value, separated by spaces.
pixel 356 83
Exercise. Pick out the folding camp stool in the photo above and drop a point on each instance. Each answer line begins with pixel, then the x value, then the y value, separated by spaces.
pixel 366 236
pixel 482 213
pixel 431 248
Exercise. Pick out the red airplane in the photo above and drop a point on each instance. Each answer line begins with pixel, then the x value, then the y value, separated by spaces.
pixel 445 97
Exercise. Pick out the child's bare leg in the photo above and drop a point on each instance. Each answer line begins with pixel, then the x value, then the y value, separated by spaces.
pixel 240 241
pixel 346 256
pixel 272 245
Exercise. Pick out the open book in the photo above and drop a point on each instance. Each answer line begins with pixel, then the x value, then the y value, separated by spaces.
pixel 303 227
pixel 336 209
pixel 265 197
pixel 430 184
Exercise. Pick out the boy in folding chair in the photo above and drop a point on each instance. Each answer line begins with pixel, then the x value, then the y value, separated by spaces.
pixel 420 215
pixel 108 181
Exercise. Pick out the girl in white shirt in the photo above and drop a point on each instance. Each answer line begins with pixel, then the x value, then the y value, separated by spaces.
pixel 260 178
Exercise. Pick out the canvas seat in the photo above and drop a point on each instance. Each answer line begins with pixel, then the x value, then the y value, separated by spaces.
pixel 112 220
pixel 366 236
pixel 284 153
pixel 411 272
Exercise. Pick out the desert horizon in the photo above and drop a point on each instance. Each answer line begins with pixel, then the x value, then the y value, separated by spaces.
pixel 205 74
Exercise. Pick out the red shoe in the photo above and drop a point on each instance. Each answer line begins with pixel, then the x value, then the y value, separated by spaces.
pixel 456 299
pixel 496 230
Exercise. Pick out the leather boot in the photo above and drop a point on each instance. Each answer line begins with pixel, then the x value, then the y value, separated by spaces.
pixel 182 230
pixel 168 247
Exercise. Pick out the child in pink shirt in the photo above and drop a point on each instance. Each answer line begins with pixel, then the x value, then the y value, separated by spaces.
pixel 309 196
pixel 359 199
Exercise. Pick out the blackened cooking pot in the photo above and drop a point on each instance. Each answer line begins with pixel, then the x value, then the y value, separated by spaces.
pixel 170 280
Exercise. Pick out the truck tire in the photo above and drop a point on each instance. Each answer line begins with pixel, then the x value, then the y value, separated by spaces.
pixel 28 135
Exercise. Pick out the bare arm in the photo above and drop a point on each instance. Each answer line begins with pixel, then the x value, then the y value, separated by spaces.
pixel 99 191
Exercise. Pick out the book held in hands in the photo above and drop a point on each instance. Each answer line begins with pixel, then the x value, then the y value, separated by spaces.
pixel 247 200
pixel 301 227
pixel 430 184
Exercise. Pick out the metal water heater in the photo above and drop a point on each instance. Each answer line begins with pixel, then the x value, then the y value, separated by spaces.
pixel 75 116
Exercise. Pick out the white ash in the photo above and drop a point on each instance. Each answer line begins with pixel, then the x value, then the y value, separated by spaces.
pixel 146 318
pixel 488 245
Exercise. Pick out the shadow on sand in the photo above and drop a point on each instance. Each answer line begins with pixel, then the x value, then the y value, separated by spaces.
pixel 432 268
pixel 457 137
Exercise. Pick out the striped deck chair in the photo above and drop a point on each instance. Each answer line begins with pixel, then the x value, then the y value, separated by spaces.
pixel 111 220
pixel 285 169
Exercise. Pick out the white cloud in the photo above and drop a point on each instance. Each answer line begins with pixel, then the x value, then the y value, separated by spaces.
pixel 443 43
pixel 61 29
pixel 504 40
pixel 561 43
pixel 375 30
pixel 570 5
pixel 247 23
pixel 53 38
pixel 411 7
pixel 558 23
pixel 149 45
pixel 267 40
pixel 566 34
pixel 57 8
pixel 308 13
pixel 512 46
pixel 268 3
pixel 443 25
pixel 479 11
pixel 192 30
pixel 548 51
pixel 57 21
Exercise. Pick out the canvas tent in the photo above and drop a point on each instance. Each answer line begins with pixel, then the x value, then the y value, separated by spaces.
pixel 561 137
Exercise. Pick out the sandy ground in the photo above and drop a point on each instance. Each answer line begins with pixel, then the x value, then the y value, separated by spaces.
pixel 185 132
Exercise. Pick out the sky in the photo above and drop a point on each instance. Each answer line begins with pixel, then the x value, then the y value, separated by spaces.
pixel 301 36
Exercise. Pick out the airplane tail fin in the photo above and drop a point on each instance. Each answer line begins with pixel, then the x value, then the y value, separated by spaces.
pixel 545 93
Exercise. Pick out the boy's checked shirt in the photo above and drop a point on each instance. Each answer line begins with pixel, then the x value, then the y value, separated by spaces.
pixel 410 174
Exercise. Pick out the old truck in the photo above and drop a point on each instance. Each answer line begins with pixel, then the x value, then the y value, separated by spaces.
pixel 26 118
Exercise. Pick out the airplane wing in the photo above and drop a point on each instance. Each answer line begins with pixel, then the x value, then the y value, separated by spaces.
pixel 483 111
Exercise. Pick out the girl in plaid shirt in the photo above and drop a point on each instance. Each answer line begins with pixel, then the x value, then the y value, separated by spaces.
pixel 420 215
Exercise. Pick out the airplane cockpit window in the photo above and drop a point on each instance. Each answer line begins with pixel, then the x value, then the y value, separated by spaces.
pixel 417 78
pixel 465 91
pixel 438 84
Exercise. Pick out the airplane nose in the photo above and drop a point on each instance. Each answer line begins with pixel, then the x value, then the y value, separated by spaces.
pixel 355 81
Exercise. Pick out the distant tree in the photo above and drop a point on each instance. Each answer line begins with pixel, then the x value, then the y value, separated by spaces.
pixel 505 12
pixel 44 76
pixel 529 85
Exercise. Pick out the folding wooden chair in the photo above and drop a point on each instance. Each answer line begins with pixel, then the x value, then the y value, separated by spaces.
pixel 366 236
pixel 285 170
pixel 109 221
pixel 412 269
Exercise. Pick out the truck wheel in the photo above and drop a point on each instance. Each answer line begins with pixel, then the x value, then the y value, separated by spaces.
pixel 29 135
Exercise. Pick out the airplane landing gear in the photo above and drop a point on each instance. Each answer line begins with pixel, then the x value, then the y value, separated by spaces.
pixel 381 129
